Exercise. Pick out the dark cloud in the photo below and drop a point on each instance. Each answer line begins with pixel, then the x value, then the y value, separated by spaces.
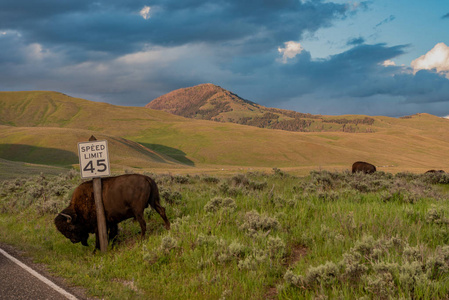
pixel 106 51
pixel 355 81
pixel 446 16
pixel 356 41
pixel 115 27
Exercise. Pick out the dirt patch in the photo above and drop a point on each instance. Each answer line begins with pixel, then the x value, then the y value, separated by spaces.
pixel 271 293
pixel 298 252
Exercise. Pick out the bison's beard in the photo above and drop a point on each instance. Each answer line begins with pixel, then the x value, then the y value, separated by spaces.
pixel 77 238
pixel 84 241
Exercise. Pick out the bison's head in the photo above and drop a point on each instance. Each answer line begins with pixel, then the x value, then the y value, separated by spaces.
pixel 66 223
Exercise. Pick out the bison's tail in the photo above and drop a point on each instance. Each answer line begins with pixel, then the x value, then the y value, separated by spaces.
pixel 154 201
pixel 154 192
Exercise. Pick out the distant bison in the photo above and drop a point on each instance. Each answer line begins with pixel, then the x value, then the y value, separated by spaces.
pixel 123 196
pixel 435 171
pixel 364 167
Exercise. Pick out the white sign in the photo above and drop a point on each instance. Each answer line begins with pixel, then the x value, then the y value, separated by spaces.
pixel 94 159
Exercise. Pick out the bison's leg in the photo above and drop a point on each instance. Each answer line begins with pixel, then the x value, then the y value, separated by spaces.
pixel 113 231
pixel 161 211
pixel 97 240
pixel 84 239
pixel 143 225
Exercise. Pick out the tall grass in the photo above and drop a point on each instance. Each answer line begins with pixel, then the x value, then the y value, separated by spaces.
pixel 253 236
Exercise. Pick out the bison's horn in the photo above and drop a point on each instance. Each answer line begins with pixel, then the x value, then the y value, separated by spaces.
pixel 69 217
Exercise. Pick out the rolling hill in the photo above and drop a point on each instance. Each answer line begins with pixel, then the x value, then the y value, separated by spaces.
pixel 45 127
pixel 211 102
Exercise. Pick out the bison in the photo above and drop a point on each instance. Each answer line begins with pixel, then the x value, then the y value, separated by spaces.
pixel 123 197
pixel 435 171
pixel 364 167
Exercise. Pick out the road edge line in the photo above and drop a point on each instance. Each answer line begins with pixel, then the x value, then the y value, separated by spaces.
pixel 39 276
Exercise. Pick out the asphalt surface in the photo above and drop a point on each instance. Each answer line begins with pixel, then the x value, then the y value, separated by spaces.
pixel 19 280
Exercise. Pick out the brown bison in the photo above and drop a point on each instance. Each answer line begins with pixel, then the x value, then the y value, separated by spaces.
pixel 435 171
pixel 123 197
pixel 364 167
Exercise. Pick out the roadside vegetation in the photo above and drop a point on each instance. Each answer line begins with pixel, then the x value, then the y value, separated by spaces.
pixel 252 236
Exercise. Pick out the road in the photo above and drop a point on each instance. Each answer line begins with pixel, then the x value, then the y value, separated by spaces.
pixel 21 281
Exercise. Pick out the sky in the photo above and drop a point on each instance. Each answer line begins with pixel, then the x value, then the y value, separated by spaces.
pixel 336 57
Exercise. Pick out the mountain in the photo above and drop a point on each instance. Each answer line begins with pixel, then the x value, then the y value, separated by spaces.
pixel 211 102
pixel 42 127
pixel 204 101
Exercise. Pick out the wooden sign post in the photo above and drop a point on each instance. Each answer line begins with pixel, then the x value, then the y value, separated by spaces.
pixel 94 163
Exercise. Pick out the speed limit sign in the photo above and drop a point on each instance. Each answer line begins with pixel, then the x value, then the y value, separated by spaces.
pixel 94 159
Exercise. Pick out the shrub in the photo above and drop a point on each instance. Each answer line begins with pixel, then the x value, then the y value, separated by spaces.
pixel 219 203
pixel 380 285
pixel 210 179
pixel 255 222
pixel 438 264
pixel 279 173
pixel 168 243
pixel 436 215
pixel 276 247
pixel 181 179
pixel 240 180
pixel 172 197
pixel 248 263
pixel 324 275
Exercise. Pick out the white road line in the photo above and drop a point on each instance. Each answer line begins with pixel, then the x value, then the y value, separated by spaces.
pixel 39 276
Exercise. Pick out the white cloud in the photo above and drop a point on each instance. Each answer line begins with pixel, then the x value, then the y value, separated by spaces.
pixel 35 52
pixel 145 12
pixel 437 58
pixel 290 51
pixel 388 63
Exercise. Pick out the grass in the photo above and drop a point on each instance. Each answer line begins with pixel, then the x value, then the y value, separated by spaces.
pixel 255 235
pixel 50 120
pixel 12 169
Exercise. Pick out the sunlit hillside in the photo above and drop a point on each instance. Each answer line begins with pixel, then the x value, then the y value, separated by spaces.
pixel 211 102
pixel 45 127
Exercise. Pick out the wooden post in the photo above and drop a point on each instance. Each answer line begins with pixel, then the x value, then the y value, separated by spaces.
pixel 101 219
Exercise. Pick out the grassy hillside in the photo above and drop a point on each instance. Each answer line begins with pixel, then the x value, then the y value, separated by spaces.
pixel 10 169
pixel 49 125
pixel 59 147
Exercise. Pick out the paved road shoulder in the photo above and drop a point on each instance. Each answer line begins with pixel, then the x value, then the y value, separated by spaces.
pixel 20 278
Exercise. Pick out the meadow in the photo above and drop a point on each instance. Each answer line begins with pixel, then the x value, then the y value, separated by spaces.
pixel 252 235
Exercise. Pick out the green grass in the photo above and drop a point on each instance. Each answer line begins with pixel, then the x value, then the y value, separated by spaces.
pixel 252 236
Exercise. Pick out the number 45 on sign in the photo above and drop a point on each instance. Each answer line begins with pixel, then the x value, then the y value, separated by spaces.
pixel 94 159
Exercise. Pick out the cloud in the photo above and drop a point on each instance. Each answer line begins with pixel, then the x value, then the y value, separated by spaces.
pixel 356 41
pixel 112 28
pixel 388 63
pixel 446 16
pixel 145 12
pixel 290 51
pixel 436 59
pixel 126 53
pixel 354 81
pixel 386 20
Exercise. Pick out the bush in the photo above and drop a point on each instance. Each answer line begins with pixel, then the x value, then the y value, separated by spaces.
pixel 255 222
pixel 218 203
